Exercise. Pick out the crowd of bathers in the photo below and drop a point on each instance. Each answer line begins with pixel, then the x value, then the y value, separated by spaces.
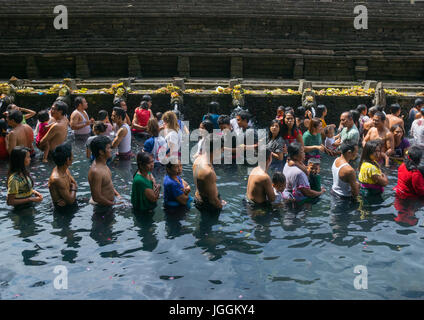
pixel 292 148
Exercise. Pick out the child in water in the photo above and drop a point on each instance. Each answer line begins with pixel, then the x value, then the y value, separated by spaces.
pixel 99 129
pixel 279 184
pixel 314 168
pixel 43 128
pixel 329 137
pixel 103 116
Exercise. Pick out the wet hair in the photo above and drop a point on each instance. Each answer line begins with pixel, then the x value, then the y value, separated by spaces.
pixel 278 178
pixel 300 113
pixel 224 119
pixel 171 120
pixel 294 149
pixel 288 109
pixel 146 97
pixel 413 159
pixel 117 102
pixel 102 115
pixel 158 115
pixel 172 162
pixel 120 112
pixel 98 144
pixel 361 108
pixel 208 125
pixel 395 126
pixel 144 105
pixel 279 127
pixel 213 107
pixel 153 127
pixel 285 128
pixel 355 116
pixel 11 106
pixel 3 128
pixel 43 116
pixel 99 126
pixel 418 102
pixel 62 153
pixel 372 111
pixel 143 158
pixel 347 146
pixel 61 106
pixel 281 108
pixel 16 116
pixel 380 115
pixel 349 115
pixel 320 110
pixel 78 100
pixel 314 123
pixel 244 115
pixel 17 162
pixel 380 108
pixel 394 108
pixel 369 148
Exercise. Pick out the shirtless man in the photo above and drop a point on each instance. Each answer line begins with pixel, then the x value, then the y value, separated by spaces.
pixel 207 198
pixel 370 123
pixel 259 185
pixel 380 132
pixel 21 134
pixel 394 117
pixel 80 121
pixel 99 176
pixel 122 139
pixel 62 186
pixel 345 184
pixel 58 132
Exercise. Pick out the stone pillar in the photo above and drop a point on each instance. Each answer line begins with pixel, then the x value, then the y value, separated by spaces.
pixel 298 68
pixel 236 67
pixel 134 68
pixel 303 85
pixel 179 82
pixel 361 69
pixel 183 66
pixel 81 67
pixel 31 68
pixel 370 84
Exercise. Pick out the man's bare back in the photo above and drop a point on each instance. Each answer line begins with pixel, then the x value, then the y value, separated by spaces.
pixel 100 180
pixel 60 183
pixel 394 120
pixel 205 181
pixel 21 135
pixel 259 186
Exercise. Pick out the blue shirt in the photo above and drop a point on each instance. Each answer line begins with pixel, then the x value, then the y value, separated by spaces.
pixel 171 190
pixel 214 119
pixel 149 145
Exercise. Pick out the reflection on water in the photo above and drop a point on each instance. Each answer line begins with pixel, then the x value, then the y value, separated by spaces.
pixel 287 252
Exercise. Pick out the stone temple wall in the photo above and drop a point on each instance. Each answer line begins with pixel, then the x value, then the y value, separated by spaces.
pixel 280 39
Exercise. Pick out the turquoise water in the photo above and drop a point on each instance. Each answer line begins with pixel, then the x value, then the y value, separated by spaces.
pixel 282 254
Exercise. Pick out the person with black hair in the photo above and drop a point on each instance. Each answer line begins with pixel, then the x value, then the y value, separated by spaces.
pixel 99 129
pixel 62 186
pixel 380 132
pixel 372 179
pixel 58 131
pixel 369 123
pixel 394 116
pixel 230 139
pixel 19 182
pixel 414 112
pixel 297 182
pixel 321 112
pixel 277 145
pixel 401 144
pixel 3 133
pixel 20 135
pixel 350 131
pixel 290 131
pixel 145 191
pixel 99 176
pixel 206 128
pixel 142 114
pixel 121 103
pixel 80 121
pixel 259 184
pixel 410 183
pixel 176 191
pixel 212 114
pixel 245 134
pixel 122 139
pixel 43 128
pixel 280 114
pixel 103 116
pixel 302 123
pixel 26 113
pixel 345 185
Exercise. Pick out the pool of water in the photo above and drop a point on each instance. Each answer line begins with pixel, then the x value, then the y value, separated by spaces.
pixel 309 253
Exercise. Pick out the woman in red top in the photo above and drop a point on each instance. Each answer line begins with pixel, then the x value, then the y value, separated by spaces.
pixel 411 178
pixel 290 132
pixel 3 133
pixel 141 116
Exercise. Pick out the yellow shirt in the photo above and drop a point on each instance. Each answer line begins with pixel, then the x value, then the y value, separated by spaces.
pixel 323 123
pixel 19 186
pixel 367 171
